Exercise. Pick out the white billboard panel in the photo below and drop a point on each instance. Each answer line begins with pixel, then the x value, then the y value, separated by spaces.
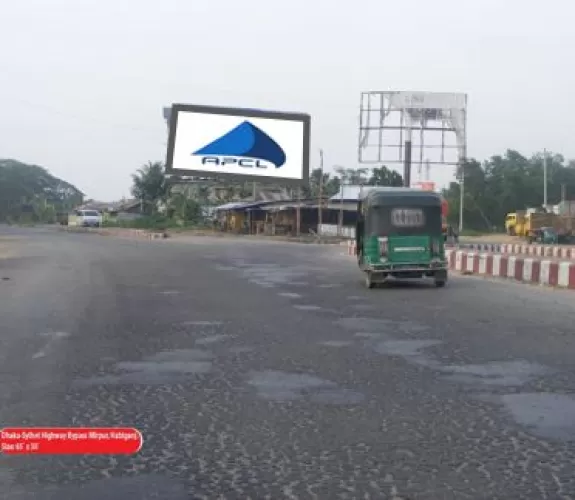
pixel 428 100
pixel 244 143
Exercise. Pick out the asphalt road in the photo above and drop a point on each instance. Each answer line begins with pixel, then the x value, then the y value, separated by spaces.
pixel 266 370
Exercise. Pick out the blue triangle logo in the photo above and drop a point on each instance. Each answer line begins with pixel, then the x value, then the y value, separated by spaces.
pixel 248 141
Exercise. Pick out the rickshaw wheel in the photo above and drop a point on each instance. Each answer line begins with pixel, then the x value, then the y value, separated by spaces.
pixel 368 281
pixel 440 280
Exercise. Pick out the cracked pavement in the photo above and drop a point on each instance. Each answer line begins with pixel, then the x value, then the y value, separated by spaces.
pixel 261 370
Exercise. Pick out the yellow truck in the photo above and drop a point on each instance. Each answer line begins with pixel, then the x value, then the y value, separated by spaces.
pixel 535 221
pixel 515 223
pixel 563 226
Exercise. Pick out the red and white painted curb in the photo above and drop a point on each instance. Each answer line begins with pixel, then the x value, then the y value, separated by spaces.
pixel 350 244
pixel 557 251
pixel 518 268
pixel 532 270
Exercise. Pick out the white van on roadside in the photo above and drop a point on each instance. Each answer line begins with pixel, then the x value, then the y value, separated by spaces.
pixel 88 218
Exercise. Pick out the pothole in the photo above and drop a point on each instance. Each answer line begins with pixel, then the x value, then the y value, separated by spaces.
pixel 336 343
pixel 504 373
pixel 284 386
pixel 547 415
pixel 290 295
pixel 307 307
pixel 212 339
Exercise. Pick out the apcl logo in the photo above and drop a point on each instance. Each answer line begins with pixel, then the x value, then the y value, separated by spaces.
pixel 245 146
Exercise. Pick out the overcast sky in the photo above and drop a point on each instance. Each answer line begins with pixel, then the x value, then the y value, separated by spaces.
pixel 83 82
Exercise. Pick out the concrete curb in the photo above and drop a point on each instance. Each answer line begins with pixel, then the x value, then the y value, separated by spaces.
pixel 531 270
pixel 556 251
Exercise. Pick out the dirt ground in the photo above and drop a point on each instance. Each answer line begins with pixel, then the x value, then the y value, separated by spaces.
pixel 6 247
pixel 491 238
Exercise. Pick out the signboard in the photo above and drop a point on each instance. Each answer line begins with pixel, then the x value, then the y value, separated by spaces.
pixel 425 185
pixel 407 217
pixel 429 100
pixel 247 144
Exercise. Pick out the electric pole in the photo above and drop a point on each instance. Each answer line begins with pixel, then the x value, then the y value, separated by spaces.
pixel 545 178
pixel 320 194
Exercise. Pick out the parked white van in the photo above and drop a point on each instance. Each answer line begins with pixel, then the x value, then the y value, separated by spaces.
pixel 88 218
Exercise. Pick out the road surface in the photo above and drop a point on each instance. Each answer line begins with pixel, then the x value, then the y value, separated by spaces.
pixel 266 370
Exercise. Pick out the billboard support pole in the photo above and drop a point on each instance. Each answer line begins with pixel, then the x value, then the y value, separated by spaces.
pixel 407 160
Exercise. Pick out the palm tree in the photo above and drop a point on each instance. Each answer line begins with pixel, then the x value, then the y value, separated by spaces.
pixel 149 185
pixel 352 176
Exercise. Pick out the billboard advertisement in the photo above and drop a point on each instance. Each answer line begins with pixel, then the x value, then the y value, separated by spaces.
pixel 247 144
pixel 425 185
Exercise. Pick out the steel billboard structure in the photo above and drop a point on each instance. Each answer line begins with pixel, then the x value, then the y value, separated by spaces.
pixel 243 144
pixel 393 125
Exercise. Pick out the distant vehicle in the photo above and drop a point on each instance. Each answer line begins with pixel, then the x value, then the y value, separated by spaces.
pixel 514 222
pixel 545 235
pixel 399 234
pixel 88 218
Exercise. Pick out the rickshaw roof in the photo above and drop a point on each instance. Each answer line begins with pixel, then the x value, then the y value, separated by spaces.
pixel 394 195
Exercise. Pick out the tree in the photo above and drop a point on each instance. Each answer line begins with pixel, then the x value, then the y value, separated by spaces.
pixel 506 183
pixel 383 176
pixel 149 186
pixel 183 208
pixel 31 193
pixel 352 176
pixel 330 184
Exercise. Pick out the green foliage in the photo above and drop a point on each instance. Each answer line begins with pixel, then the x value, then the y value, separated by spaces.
pixel 30 194
pixel 384 176
pixel 507 183
pixel 184 209
pixel 156 221
pixel 330 184
pixel 150 187
pixel 352 176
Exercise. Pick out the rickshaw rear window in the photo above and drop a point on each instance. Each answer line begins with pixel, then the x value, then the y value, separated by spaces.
pixel 404 220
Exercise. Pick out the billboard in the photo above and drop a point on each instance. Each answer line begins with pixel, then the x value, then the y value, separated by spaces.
pixel 425 185
pixel 247 144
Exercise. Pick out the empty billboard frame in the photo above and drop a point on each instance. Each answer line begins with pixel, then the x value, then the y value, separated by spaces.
pixel 245 144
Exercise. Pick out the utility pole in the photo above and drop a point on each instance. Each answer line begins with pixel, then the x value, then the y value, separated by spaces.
pixel 320 195
pixel 461 192
pixel 250 212
pixel 341 209
pixel 462 162
pixel 545 178
pixel 298 212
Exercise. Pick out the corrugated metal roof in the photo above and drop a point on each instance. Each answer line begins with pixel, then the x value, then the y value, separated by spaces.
pixel 351 192
pixel 230 206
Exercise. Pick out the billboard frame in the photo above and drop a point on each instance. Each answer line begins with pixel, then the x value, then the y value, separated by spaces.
pixel 244 112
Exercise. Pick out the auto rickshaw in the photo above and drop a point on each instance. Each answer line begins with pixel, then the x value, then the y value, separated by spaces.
pixel 399 234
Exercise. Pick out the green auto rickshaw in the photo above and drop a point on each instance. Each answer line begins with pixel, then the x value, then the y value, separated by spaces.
pixel 399 234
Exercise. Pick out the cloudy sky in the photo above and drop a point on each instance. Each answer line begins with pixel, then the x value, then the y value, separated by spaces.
pixel 83 82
